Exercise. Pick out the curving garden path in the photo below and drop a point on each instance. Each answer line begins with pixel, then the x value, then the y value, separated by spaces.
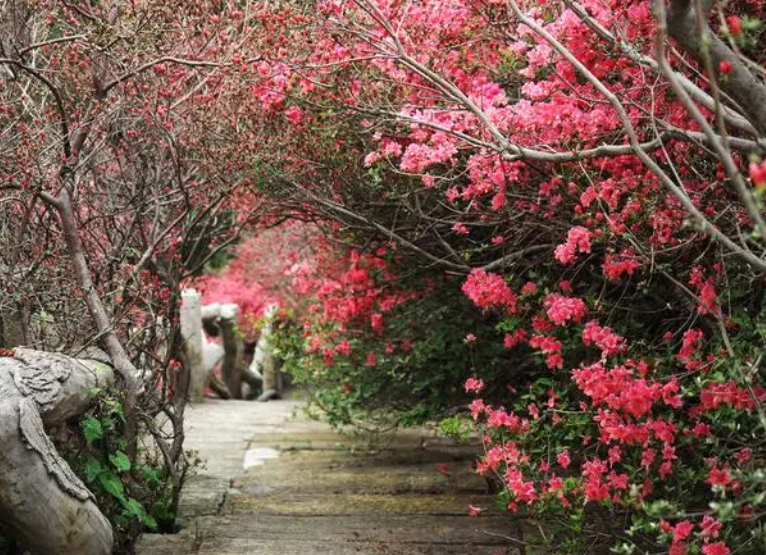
pixel 277 484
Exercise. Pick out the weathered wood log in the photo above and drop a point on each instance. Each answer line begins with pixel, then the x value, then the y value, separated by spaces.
pixel 43 504
pixel 234 350
pixel 191 330
pixel 263 360
pixel 223 318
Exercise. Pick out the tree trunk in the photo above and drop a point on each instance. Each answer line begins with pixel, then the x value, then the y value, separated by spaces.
pixel 191 331
pixel 264 362
pixel 43 504
pixel 231 369
pixel 120 361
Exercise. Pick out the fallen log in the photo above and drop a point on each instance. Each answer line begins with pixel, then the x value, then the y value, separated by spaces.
pixel 44 506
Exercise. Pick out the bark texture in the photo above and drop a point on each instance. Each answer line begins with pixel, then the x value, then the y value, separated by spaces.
pixel 43 504
pixel 692 31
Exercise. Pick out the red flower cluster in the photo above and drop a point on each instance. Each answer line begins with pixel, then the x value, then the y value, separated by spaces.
pixel 616 266
pixel 549 346
pixel 578 241
pixel 604 338
pixel 562 309
pixel 729 393
pixel 488 290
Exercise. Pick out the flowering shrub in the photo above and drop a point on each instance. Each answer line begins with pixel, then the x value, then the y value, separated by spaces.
pixel 262 273
pixel 658 443
pixel 603 210
pixel 368 351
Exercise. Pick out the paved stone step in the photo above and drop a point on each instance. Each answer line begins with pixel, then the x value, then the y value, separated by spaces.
pixel 296 476
pixel 381 480
pixel 301 547
pixel 397 535
pixel 183 543
pixel 329 440
pixel 417 529
pixel 162 545
pixel 202 496
pixel 376 479
pixel 373 457
pixel 361 504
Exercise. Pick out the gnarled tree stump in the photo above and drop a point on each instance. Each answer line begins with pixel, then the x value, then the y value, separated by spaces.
pixel 223 317
pixel 43 505
pixel 218 320
pixel 264 363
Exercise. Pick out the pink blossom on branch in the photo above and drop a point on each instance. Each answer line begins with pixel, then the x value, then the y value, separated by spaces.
pixel 561 309
pixel 474 385
pixel 488 290
pixel 578 242
pixel 604 338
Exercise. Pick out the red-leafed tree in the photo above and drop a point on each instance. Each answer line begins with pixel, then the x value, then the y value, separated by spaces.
pixel 115 186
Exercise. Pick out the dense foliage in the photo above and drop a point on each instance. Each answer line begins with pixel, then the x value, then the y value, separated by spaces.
pixel 551 210
pixel 595 177
pixel 136 495
pixel 113 190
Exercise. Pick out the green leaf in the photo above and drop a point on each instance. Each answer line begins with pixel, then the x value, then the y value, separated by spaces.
pixel 115 406
pixel 91 429
pixel 151 475
pixel 134 508
pixel 112 484
pixel 108 423
pixel 120 461
pixel 149 522
pixel 92 469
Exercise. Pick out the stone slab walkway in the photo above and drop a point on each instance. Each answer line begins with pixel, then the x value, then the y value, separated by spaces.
pixel 277 484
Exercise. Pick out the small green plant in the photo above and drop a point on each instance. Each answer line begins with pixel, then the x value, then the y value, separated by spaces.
pixel 457 427
pixel 135 495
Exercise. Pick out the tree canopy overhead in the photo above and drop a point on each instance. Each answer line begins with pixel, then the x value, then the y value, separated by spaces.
pixel 555 207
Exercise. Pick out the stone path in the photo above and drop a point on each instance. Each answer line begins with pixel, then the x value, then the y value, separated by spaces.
pixel 308 490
